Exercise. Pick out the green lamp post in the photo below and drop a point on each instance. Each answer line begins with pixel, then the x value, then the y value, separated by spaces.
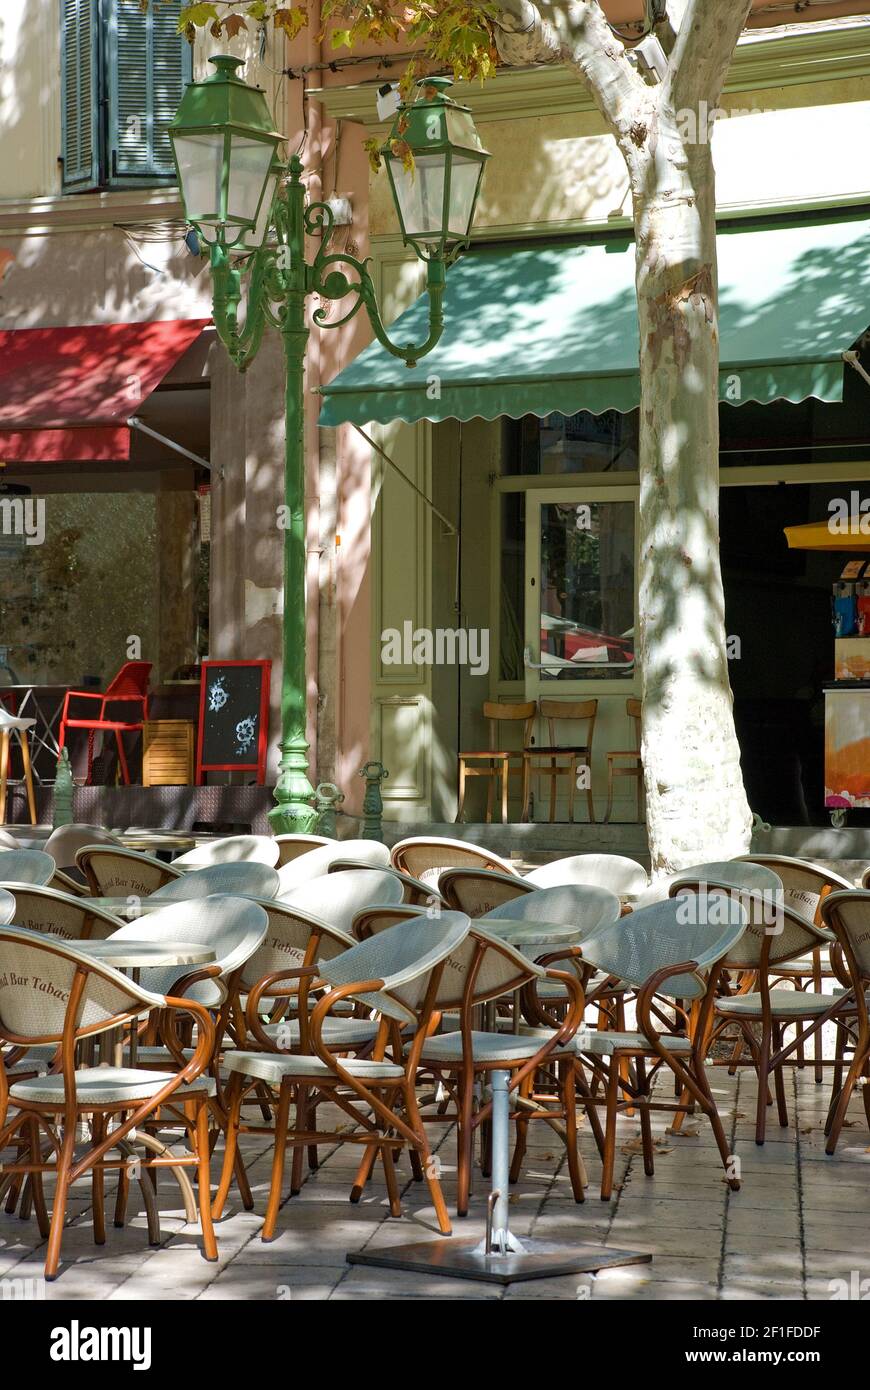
pixel 245 203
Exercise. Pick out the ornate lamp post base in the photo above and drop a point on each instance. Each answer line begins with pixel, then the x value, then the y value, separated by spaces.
pixel 294 813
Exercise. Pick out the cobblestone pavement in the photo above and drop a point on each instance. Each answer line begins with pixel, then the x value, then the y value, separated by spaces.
pixel 800 1223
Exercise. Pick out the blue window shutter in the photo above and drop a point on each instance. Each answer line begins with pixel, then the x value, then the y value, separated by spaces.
pixel 148 64
pixel 80 70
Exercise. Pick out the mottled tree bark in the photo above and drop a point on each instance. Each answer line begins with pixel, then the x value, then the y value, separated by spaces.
pixel 696 804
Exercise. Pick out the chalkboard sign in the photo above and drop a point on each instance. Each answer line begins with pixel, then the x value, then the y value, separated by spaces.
pixel 233 718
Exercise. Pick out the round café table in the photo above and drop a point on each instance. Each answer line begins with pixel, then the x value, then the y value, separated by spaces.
pixel 133 955
pixel 501 1258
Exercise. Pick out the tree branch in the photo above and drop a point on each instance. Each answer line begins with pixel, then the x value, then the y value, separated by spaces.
pixel 706 37
pixel 575 32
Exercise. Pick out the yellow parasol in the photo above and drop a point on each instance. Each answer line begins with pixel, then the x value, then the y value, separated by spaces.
pixel 830 535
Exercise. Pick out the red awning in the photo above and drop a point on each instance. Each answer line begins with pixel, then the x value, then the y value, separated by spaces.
pixel 66 394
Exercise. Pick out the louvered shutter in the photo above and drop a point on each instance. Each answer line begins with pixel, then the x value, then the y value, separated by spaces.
pixel 80 138
pixel 148 65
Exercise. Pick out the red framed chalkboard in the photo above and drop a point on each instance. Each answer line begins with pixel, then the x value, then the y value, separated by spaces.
pixel 233 729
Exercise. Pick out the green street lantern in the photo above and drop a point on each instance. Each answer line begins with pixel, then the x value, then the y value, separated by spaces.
pixel 225 149
pixel 435 163
pixel 229 172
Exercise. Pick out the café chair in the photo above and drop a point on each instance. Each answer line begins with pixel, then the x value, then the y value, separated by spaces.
pixel 63 845
pixel 847 914
pixel 663 958
pixel 7 906
pixel 130 688
pixel 26 866
pixel 290 847
pixel 561 760
pixel 760 1013
pixel 805 886
pixel 48 910
pixel 477 891
pixel 398 974
pixel 240 879
pixel 317 861
pixel 121 873
pixel 424 857
pixel 496 763
pixel 77 999
pixel 337 898
pixel 481 970
pixel 618 874
pixel 415 892
pixel 626 762
pixel 234 849
pixel 10 724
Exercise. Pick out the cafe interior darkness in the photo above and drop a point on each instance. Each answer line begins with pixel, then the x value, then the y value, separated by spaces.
pixel 778 602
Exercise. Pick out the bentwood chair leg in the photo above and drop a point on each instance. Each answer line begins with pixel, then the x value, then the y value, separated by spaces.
pixel 233 1101
pixel 582 1085
pixel 363 1172
pixel 817 1036
pixel 58 1211
pixel 465 1145
pixel 842 1105
pixel 763 1073
pixel 28 774
pixel 390 1179
pixel 301 1123
pixel 491 776
pixel 779 1085
pixel 572 789
pixel 553 775
pixel 609 1157
pixel 203 1183
pixel 430 1164
pixel 37 1186
pixel 4 770
pixel 712 1113
pixel 98 1195
pixel 505 774
pixel 522 1131
pixel 645 1126
pixel 567 1076
pixel 590 802
pixel 282 1118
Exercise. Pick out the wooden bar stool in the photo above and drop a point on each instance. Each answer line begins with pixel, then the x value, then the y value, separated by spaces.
pixel 9 725
pixel 631 756
pixel 497 762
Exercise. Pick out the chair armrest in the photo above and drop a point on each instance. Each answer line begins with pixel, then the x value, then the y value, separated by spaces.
pixel 266 986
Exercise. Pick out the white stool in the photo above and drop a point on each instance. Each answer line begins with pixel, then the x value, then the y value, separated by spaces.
pixel 10 725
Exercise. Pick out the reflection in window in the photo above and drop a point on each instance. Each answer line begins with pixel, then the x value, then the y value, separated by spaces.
pixel 580 443
pixel 587 590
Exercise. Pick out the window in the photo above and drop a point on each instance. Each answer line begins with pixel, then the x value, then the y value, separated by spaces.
pixel 587 590
pixel 123 75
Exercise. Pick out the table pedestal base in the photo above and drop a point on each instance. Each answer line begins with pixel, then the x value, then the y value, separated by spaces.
pixel 502 1257
pixel 466 1259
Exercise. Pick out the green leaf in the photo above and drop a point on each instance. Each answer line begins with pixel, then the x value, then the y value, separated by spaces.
pixel 200 14
pixel 340 38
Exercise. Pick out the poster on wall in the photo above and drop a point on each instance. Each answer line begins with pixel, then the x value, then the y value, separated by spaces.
pixel 847 748
pixel 233 718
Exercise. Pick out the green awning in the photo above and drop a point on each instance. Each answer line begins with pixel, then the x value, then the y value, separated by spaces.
pixel 544 327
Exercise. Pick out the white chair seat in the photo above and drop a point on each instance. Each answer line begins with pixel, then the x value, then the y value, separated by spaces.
pixel 349 1032
pixel 802 964
pixel 603 1044
pixel 11 721
pixel 107 1085
pixel 784 1003
pixel 268 1066
pixel 486 1047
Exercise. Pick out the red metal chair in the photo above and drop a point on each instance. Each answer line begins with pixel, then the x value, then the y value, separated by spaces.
pixel 130 686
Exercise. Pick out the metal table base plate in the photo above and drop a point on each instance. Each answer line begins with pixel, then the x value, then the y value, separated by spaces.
pixel 464 1259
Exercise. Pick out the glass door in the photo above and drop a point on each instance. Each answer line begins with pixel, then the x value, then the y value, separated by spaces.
pixel 580 592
